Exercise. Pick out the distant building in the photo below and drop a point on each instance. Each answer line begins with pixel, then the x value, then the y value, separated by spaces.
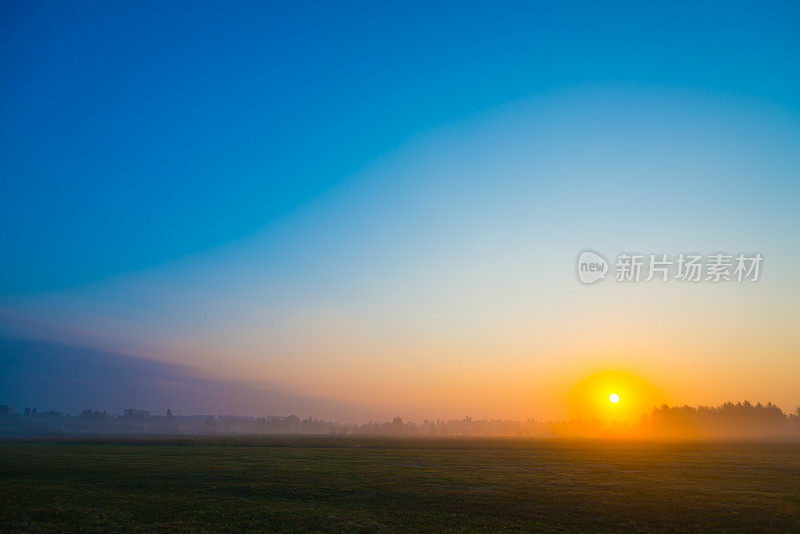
pixel 138 414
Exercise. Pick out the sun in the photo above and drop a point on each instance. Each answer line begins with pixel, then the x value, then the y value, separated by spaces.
pixel 613 396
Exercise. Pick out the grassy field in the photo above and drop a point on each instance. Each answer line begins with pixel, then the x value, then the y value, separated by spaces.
pixel 377 484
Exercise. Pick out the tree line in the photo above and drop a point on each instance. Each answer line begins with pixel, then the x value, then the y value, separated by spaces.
pixel 741 420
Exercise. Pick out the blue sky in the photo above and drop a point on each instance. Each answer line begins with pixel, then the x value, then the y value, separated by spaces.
pixel 380 204
pixel 135 134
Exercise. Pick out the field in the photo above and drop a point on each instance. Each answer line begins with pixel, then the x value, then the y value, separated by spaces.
pixel 328 483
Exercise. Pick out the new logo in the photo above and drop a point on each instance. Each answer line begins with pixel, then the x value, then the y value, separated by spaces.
pixel 592 267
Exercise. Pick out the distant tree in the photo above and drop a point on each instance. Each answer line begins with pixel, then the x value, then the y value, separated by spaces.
pixel 292 424
pixel 741 420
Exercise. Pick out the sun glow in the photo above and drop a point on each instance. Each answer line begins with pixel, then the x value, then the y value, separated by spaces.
pixel 599 396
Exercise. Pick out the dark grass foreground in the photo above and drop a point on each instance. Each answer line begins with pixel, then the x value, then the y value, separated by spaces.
pixel 378 484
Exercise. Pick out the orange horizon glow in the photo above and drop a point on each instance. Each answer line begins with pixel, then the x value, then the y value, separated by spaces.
pixel 613 397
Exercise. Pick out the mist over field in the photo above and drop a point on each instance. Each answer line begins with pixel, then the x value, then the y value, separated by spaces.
pixel 65 391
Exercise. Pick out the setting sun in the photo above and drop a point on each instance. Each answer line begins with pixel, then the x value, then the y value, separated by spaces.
pixel 599 396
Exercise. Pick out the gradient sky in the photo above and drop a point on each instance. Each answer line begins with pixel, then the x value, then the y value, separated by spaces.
pixel 381 203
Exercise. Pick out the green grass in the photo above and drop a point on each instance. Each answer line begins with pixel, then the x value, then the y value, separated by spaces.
pixel 359 484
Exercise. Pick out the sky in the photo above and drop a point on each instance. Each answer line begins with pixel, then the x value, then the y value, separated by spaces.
pixel 380 204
